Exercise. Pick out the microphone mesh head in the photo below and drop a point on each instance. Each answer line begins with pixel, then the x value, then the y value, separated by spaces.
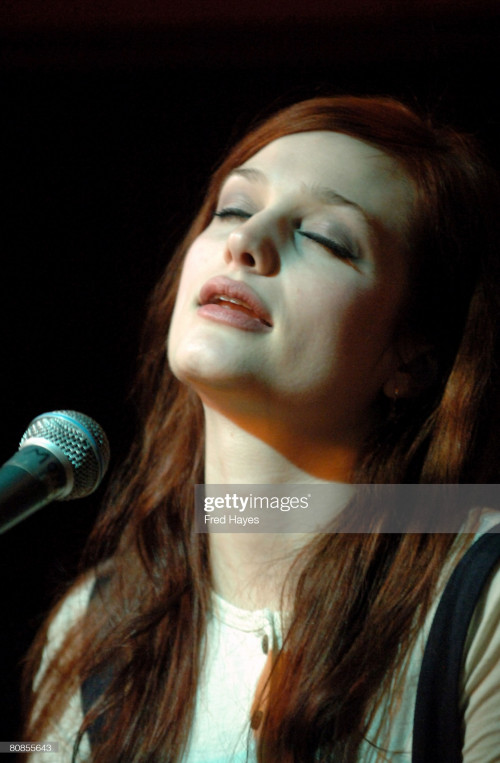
pixel 80 439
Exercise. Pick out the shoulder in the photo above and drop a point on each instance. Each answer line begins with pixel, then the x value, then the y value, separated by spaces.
pixel 480 680
pixel 63 729
pixel 70 610
pixel 74 604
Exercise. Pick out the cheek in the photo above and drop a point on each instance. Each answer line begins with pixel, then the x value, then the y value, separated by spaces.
pixel 371 317
pixel 197 257
pixel 185 302
pixel 196 264
pixel 347 330
pixel 195 349
pixel 367 340
pixel 333 308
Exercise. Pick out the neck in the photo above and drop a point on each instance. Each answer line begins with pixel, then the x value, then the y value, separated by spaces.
pixel 249 569
pixel 269 452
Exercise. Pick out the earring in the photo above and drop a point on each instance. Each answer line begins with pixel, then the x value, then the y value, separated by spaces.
pixel 394 408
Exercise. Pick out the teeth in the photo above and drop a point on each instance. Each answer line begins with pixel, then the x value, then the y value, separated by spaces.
pixel 230 299
pixel 218 298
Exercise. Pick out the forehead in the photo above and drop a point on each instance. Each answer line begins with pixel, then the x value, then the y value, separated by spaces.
pixel 358 171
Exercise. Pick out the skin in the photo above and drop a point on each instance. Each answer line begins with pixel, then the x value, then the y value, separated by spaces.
pixel 315 224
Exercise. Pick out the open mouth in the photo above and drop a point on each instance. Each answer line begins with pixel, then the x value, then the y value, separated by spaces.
pixel 234 302
pixel 231 303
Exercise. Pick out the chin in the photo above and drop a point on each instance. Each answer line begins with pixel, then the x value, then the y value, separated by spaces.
pixel 205 358
pixel 204 371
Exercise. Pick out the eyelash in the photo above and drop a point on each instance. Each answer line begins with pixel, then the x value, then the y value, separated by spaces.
pixel 228 212
pixel 339 250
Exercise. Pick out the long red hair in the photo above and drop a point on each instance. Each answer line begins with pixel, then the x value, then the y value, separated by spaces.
pixel 149 618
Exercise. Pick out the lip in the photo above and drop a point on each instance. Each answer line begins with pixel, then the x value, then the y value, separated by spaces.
pixel 235 303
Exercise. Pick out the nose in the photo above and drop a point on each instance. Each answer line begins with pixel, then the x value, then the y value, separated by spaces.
pixel 253 245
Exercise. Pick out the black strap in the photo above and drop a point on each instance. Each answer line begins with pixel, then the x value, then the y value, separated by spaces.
pixel 437 729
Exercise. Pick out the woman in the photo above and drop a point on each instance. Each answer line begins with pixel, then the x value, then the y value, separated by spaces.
pixel 334 311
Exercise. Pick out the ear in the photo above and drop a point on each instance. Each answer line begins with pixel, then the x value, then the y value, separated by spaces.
pixel 417 371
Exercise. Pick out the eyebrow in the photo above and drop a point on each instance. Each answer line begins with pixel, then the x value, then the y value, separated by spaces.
pixel 322 193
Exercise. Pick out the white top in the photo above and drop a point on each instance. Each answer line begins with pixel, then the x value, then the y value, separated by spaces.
pixel 236 643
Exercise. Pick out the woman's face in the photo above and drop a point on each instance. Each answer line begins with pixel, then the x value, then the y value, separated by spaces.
pixel 288 302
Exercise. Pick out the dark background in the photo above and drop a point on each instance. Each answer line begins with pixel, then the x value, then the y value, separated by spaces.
pixel 112 116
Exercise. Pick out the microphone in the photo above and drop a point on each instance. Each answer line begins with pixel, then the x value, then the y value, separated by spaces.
pixel 62 455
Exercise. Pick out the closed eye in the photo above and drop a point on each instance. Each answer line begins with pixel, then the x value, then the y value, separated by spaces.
pixel 232 212
pixel 336 248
